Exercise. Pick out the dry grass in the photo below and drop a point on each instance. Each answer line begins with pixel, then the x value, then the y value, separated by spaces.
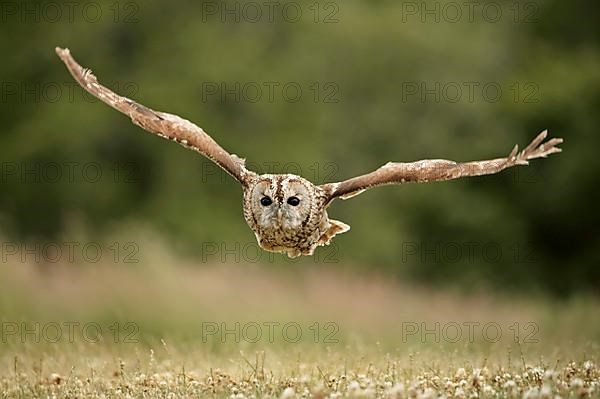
pixel 170 301
pixel 331 375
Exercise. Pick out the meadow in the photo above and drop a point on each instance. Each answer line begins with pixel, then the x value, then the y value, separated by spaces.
pixel 167 326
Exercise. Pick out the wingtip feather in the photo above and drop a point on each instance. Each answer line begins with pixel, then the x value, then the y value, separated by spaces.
pixel 62 52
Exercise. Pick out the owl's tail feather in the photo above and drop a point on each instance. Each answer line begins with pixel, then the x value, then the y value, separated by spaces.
pixel 335 227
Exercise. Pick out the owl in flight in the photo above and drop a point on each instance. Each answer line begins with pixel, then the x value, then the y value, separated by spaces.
pixel 288 213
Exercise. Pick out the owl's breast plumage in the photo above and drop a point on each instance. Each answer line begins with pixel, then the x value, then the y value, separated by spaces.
pixel 294 242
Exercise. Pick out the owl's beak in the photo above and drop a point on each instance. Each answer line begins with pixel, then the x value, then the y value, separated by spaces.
pixel 279 215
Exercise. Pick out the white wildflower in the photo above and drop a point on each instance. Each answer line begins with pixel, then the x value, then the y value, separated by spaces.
pixel 488 390
pixel 353 386
pixel 550 375
pixel 546 392
pixel 396 391
pixel 287 393
pixel 577 383
pixel 588 365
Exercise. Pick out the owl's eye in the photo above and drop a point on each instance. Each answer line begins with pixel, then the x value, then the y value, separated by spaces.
pixel 266 201
pixel 293 201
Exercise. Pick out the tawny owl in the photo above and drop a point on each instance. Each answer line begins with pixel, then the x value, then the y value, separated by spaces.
pixel 287 213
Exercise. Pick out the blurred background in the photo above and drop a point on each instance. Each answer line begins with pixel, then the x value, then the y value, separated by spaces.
pixel 327 90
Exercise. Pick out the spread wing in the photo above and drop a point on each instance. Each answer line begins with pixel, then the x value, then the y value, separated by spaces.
pixel 165 125
pixel 440 169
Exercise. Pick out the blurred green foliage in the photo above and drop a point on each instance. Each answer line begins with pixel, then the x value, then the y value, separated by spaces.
pixel 533 229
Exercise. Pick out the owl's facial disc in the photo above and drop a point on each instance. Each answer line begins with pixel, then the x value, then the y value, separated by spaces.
pixel 281 201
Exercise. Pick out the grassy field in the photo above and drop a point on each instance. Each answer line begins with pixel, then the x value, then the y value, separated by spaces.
pixel 169 327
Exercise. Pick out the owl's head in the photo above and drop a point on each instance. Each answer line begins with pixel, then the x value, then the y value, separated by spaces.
pixel 285 202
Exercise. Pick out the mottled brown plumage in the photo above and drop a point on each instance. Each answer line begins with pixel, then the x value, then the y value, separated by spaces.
pixel 296 229
pixel 286 212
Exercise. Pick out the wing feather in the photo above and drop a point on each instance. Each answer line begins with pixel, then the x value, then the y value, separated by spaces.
pixel 168 126
pixel 440 169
